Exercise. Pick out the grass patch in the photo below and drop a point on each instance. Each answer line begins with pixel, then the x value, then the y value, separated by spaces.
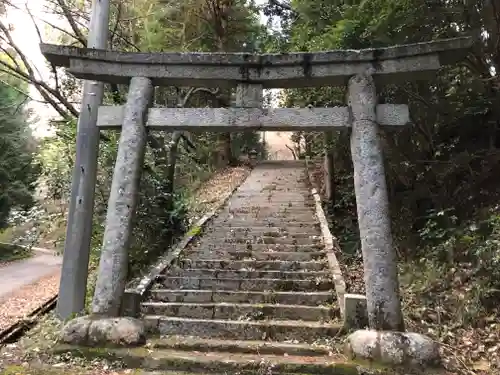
pixel 10 253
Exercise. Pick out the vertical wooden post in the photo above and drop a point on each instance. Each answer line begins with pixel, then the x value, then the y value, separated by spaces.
pixel 379 257
pixel 123 199
pixel 73 283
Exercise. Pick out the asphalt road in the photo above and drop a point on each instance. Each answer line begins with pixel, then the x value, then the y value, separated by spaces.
pixel 17 274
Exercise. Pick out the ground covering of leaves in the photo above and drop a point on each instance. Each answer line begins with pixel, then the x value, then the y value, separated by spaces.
pixel 22 302
pixel 29 356
pixel 216 189
pixel 441 302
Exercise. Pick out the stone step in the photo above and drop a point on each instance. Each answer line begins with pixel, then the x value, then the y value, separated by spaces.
pixel 222 248
pixel 259 233
pixel 225 223
pixel 262 229
pixel 244 274
pixel 195 344
pixel 273 330
pixel 182 362
pixel 240 311
pixel 232 296
pixel 273 211
pixel 253 265
pixel 305 204
pixel 168 282
pixel 299 256
pixel 227 238
pixel 286 215
pixel 283 217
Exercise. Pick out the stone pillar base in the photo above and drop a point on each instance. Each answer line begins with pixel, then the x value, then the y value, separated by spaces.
pixel 99 331
pixel 401 349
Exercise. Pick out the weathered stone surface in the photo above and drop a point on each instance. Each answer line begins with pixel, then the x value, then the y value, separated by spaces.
pixel 77 243
pixel 253 264
pixel 250 291
pixel 252 233
pixel 246 274
pixel 394 348
pixel 93 331
pixel 221 247
pixel 330 246
pixel 355 314
pixel 266 240
pixel 248 311
pixel 249 95
pixel 61 55
pixel 271 71
pixel 276 330
pixel 245 284
pixel 271 223
pixel 284 349
pixel 183 361
pixel 267 119
pixel 379 257
pixel 234 296
pixel 113 264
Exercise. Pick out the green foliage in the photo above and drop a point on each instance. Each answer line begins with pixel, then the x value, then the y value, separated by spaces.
pixel 449 157
pixel 18 169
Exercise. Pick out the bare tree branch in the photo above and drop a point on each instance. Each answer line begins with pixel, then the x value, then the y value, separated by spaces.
pixel 72 23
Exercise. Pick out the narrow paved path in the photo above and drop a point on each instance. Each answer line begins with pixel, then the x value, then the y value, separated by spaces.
pixel 15 275
pixel 255 293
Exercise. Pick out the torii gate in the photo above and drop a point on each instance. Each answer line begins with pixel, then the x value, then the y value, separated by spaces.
pixel 360 70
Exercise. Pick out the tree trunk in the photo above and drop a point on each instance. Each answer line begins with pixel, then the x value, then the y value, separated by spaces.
pixel 225 138
pixel 307 144
pixel 329 169
pixel 123 199
pixel 172 159
pixel 227 153
pixel 73 283
pixel 379 257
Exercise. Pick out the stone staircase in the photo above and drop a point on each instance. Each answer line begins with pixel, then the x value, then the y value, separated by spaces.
pixel 254 294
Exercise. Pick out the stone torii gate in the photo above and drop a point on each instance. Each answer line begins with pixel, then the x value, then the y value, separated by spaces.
pixel 360 70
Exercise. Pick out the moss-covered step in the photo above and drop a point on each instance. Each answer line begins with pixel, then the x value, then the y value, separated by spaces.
pixel 190 343
pixel 233 296
pixel 215 362
pixel 249 311
pixel 245 284
pixel 275 330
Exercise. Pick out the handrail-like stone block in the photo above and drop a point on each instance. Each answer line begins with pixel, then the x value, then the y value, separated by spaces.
pixel 271 70
pixel 233 119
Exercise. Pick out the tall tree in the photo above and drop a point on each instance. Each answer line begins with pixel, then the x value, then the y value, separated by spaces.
pixel 19 170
